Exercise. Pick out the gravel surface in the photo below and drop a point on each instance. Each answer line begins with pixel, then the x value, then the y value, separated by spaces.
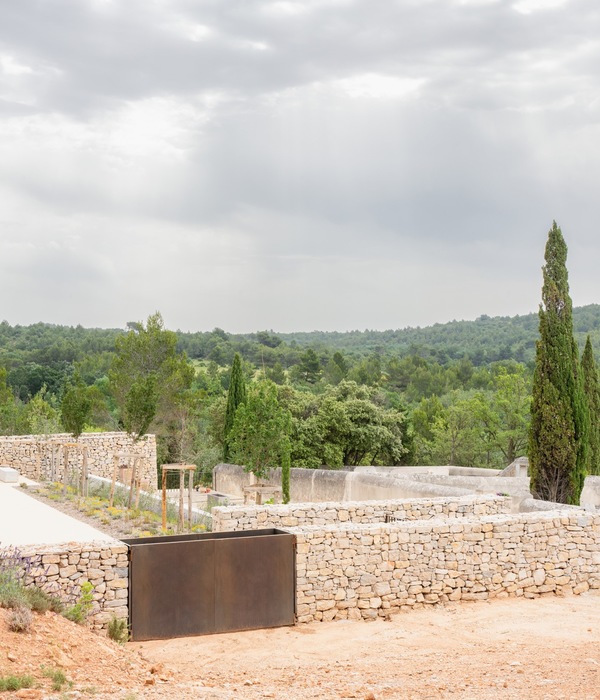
pixel 118 528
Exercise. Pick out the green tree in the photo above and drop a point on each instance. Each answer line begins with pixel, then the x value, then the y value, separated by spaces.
pixel 592 391
pixel 558 436
pixel 39 416
pixel 76 406
pixel 504 413
pixel 368 371
pixel 147 377
pixel 347 425
pixel 259 438
pixel 458 433
pixel 141 405
pixel 12 414
pixel 309 367
pixel 429 413
pixel 276 373
pixel 236 395
pixel 336 369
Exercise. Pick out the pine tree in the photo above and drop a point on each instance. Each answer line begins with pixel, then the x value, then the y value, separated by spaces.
pixel 558 438
pixel 236 395
pixel 591 386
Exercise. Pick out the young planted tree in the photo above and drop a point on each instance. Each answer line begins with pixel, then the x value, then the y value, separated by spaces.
pixel 558 437
pixel 147 379
pixel 76 406
pixel 236 396
pixel 286 458
pixel 591 387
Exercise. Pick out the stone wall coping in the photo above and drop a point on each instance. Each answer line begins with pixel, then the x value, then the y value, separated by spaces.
pixel 115 546
pixel 68 436
pixel 558 517
pixel 279 509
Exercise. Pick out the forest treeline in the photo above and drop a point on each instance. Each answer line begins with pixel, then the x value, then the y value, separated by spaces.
pixel 449 393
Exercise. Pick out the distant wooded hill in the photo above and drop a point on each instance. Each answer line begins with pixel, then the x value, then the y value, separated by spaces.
pixel 483 341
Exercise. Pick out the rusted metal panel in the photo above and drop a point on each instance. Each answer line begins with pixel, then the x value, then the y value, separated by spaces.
pixel 171 591
pixel 254 583
pixel 186 585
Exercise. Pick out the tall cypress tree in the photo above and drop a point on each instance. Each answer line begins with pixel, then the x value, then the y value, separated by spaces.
pixel 558 438
pixel 236 395
pixel 591 386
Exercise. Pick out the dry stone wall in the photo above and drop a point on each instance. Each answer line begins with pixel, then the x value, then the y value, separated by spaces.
pixel 40 457
pixel 228 519
pixel 62 569
pixel 353 571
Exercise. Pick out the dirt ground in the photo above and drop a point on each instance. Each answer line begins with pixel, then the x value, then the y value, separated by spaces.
pixel 514 648
pixel 505 649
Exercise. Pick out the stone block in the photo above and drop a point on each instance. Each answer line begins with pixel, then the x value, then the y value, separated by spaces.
pixel 8 475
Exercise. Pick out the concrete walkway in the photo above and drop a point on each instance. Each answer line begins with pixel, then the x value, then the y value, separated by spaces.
pixel 23 521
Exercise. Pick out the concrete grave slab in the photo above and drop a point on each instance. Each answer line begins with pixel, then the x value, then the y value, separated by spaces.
pixel 8 475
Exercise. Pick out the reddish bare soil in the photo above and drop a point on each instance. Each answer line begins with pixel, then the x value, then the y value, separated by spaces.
pixel 548 648
pixel 90 662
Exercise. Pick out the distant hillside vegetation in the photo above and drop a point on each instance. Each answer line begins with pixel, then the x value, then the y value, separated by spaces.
pixel 484 340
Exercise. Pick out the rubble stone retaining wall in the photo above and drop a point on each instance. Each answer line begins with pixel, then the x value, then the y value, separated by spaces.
pixel 40 457
pixel 353 571
pixel 230 518
pixel 61 569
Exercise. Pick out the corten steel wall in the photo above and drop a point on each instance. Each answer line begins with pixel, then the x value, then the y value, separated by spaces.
pixel 204 584
pixel 235 518
pixel 32 455
pixel 350 571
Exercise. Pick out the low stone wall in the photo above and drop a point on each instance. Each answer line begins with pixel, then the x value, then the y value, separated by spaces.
pixel 351 571
pixel 40 457
pixel 61 569
pixel 231 518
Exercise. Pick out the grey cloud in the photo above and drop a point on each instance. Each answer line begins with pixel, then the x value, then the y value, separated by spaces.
pixel 274 179
pixel 136 49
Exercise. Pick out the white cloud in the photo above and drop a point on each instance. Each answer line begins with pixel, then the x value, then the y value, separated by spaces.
pixel 374 86
pixel 528 7
pixel 10 66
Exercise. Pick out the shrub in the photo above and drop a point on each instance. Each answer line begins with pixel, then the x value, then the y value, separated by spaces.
pixel 20 619
pixel 12 594
pixel 78 613
pixel 58 678
pixel 15 682
pixel 118 630
pixel 40 601
pixel 13 568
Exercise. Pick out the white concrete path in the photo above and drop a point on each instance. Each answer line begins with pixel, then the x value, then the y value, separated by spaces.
pixel 23 520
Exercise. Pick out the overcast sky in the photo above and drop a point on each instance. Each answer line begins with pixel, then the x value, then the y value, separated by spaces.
pixel 294 165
